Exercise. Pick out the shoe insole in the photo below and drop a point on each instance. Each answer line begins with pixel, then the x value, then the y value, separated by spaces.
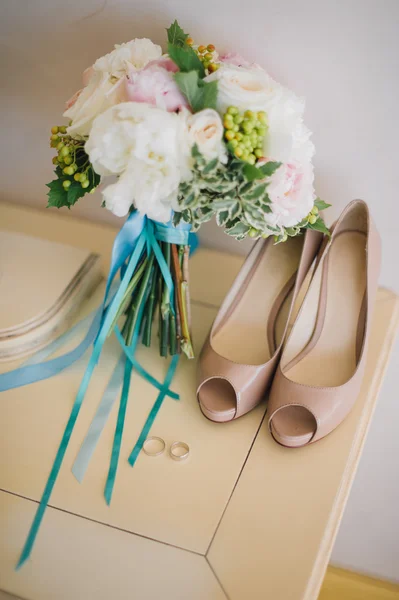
pixel 331 360
pixel 242 338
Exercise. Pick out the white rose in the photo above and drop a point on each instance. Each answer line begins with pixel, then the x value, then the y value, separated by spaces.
pixel 205 129
pixel 99 94
pixel 142 144
pixel 251 88
pixel 292 194
pixel 134 54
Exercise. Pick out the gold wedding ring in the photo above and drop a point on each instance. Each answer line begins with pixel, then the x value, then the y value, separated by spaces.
pixel 154 446
pixel 179 450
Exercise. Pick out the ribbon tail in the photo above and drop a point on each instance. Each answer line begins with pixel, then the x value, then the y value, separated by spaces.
pixel 99 421
pixel 114 305
pixel 116 448
pixel 140 370
pixel 154 411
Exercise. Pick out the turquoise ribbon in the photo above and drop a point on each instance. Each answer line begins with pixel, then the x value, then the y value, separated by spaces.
pixel 136 234
pixel 154 411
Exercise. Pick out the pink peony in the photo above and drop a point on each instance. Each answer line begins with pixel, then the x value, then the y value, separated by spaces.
pixel 232 58
pixel 291 192
pixel 165 62
pixel 155 85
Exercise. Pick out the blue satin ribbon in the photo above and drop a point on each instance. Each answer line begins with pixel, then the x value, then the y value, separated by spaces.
pixel 154 411
pixel 137 234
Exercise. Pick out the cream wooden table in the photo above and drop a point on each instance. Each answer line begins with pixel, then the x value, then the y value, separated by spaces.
pixel 242 518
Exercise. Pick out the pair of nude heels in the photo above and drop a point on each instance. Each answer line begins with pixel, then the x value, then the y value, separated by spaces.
pixel 314 370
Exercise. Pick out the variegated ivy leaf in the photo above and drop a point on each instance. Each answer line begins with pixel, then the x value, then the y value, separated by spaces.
pixel 210 167
pixel 223 204
pixel 252 222
pixel 202 214
pixel 244 188
pixel 239 230
pixel 235 210
pixel 255 192
pixel 264 206
pixel 253 214
pixel 222 217
pixel 191 200
pixel 222 186
pixel 186 216
pixel 204 200
pixel 177 217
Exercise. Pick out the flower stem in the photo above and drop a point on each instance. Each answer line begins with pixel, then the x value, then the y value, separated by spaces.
pixel 140 297
pixel 128 294
pixel 150 308
pixel 182 302
pixel 164 308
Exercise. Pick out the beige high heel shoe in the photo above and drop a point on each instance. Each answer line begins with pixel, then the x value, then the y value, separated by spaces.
pixel 240 356
pixel 322 364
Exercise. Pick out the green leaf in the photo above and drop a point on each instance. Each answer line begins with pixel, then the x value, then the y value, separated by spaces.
pixel 200 95
pixel 177 217
pixel 206 214
pixel 239 229
pixel 176 35
pixel 222 217
pixel 57 196
pixel 321 205
pixel 319 225
pixel 188 84
pixel 209 94
pixel 265 207
pixel 292 231
pixel 244 187
pixel 255 192
pixel 254 218
pixel 211 166
pixel 269 168
pixel 235 210
pixel 223 203
pixel 251 172
pixel 75 191
pixel 186 59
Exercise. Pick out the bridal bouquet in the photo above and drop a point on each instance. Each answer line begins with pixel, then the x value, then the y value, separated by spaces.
pixel 173 140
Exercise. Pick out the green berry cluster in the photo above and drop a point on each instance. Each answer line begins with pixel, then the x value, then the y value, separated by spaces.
pixel 206 55
pixel 313 215
pixel 245 132
pixel 71 157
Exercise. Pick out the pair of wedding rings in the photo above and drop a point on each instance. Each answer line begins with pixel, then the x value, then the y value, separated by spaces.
pixel 155 446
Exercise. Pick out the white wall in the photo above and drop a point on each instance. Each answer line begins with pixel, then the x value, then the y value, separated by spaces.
pixel 343 56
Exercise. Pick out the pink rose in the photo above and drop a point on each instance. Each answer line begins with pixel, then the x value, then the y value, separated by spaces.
pixel 155 85
pixel 69 103
pixel 232 58
pixel 87 74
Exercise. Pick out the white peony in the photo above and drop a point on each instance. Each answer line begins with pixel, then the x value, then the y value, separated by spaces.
pixel 132 55
pixel 142 144
pixel 205 129
pixel 251 88
pixel 292 194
